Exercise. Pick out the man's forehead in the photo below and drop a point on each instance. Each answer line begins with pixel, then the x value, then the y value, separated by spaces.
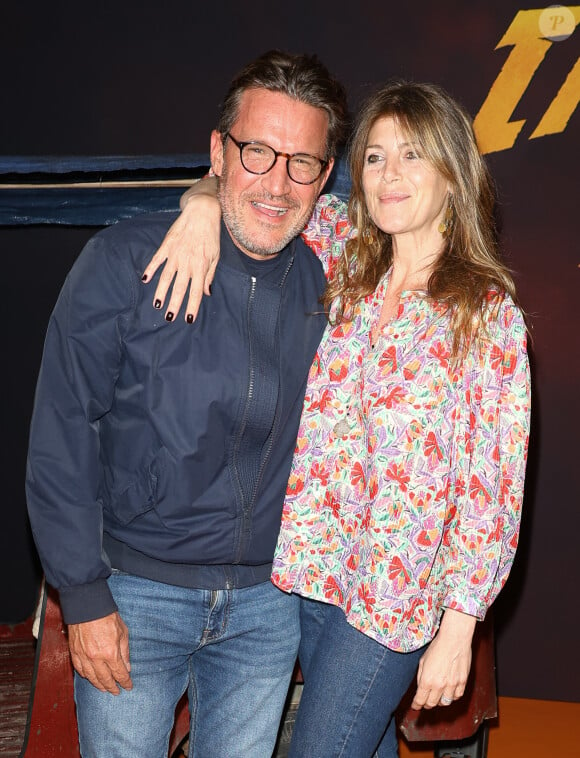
pixel 264 115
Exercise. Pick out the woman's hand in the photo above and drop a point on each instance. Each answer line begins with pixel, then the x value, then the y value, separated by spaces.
pixel 444 668
pixel 190 251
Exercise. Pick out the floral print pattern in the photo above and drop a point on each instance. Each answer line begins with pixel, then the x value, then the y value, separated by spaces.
pixel 406 488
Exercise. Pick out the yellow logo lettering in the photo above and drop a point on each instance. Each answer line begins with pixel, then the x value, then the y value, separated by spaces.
pixel 562 106
pixel 531 34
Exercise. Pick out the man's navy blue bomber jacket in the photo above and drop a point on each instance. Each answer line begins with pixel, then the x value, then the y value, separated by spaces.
pixel 163 449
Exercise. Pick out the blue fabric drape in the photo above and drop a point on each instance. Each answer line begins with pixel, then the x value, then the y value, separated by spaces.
pixel 88 203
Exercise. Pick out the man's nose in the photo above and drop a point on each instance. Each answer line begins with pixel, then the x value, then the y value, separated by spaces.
pixel 277 181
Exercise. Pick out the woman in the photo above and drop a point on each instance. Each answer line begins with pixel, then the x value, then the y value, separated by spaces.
pixel 403 504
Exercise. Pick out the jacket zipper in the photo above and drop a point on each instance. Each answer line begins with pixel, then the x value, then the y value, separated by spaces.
pixel 277 416
pixel 249 396
pixel 250 508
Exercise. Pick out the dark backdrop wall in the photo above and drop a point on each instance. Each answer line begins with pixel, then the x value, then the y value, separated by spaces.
pixel 141 77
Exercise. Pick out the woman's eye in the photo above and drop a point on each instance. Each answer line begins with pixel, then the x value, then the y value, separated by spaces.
pixel 373 158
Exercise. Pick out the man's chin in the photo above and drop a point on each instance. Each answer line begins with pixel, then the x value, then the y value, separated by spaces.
pixel 266 245
pixel 262 238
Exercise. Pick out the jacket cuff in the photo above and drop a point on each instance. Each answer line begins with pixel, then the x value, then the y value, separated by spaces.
pixel 86 602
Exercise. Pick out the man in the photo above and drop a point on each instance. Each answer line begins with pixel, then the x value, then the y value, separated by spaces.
pixel 159 455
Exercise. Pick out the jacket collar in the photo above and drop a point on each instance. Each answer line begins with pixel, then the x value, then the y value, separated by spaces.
pixel 273 270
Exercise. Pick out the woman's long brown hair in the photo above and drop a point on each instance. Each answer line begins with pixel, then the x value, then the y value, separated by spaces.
pixel 469 267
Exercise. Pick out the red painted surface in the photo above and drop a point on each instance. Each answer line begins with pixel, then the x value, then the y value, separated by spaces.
pixel 52 728
pixel 17 651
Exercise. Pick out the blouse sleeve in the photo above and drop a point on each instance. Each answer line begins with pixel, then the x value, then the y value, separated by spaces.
pixel 491 459
pixel 328 230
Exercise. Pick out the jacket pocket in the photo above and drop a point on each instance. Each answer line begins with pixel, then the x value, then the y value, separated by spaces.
pixel 133 499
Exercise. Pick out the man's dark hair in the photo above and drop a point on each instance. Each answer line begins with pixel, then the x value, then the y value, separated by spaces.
pixel 301 77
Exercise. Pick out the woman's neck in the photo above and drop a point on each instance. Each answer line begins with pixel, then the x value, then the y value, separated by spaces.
pixel 413 262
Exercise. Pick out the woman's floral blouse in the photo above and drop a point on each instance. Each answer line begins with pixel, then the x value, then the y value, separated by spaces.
pixel 406 488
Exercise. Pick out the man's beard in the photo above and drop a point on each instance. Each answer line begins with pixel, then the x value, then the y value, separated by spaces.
pixel 247 238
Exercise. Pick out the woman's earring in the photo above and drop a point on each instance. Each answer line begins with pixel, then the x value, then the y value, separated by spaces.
pixel 368 236
pixel 446 224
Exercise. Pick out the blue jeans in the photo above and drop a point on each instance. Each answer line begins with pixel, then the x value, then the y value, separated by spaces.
pixel 352 686
pixel 234 650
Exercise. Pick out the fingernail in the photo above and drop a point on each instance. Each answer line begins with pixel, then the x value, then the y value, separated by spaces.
pixel 157 304
pixel 144 278
pixel 190 318
pixel 169 316
pixel 210 288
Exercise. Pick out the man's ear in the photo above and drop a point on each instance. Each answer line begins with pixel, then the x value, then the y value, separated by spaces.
pixel 326 173
pixel 216 153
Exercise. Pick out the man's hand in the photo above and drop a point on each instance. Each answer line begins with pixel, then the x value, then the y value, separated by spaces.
pixel 190 250
pixel 444 668
pixel 100 653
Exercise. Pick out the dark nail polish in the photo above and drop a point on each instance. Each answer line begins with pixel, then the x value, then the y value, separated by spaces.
pixel 157 304
pixel 210 288
pixel 169 316
pixel 144 278
pixel 190 318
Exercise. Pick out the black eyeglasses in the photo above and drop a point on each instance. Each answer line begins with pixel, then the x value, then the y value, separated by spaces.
pixel 258 158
